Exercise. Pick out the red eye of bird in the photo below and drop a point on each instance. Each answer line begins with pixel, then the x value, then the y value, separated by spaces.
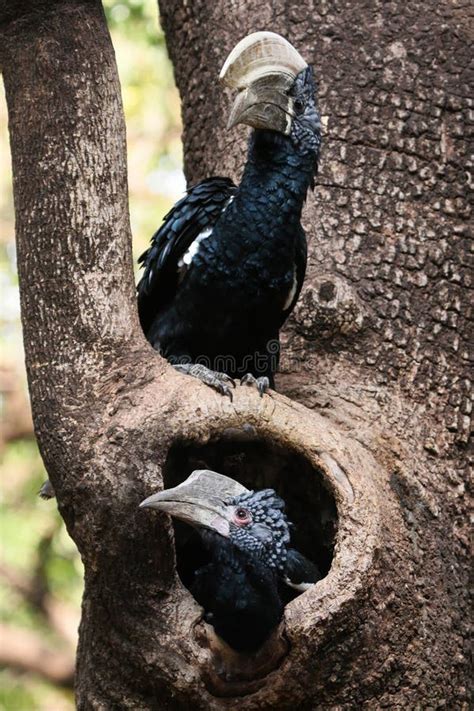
pixel 242 516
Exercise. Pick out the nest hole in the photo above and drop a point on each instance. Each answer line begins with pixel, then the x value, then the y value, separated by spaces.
pixel 258 464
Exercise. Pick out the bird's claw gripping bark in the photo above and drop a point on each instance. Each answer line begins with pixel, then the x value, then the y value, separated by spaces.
pixel 47 492
pixel 262 383
pixel 219 381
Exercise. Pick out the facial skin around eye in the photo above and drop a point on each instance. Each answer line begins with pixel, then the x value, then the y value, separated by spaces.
pixel 242 517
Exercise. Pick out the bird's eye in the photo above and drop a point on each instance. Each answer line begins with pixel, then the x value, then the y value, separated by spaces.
pixel 242 516
pixel 298 105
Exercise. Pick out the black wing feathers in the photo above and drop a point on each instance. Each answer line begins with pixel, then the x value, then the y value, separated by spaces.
pixel 299 570
pixel 198 210
pixel 301 250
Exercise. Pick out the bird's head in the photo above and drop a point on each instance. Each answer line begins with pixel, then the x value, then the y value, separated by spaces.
pixel 276 89
pixel 255 522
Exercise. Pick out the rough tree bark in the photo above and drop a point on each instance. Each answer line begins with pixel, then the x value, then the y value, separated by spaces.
pixel 376 355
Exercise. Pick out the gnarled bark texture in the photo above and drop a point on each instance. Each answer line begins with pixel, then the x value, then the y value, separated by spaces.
pixel 375 361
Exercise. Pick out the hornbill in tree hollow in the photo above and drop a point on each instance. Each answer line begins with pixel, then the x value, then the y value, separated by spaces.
pixel 225 269
pixel 252 568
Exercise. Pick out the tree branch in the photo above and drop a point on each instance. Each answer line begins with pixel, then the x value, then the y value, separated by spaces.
pixel 63 619
pixel 35 590
pixel 73 235
pixel 17 422
pixel 70 185
pixel 23 650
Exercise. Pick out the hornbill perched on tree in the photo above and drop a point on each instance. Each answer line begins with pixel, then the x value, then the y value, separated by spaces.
pixel 252 568
pixel 225 269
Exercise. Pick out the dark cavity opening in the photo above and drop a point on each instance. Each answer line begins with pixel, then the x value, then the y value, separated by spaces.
pixel 327 291
pixel 258 464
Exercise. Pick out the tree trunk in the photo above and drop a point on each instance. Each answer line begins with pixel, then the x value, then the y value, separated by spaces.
pixel 375 355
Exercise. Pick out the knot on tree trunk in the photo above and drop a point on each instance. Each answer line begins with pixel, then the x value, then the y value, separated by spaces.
pixel 328 308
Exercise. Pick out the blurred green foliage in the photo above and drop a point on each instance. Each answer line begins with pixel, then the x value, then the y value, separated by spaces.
pixel 32 535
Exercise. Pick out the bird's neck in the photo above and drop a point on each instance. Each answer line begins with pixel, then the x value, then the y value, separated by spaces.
pixel 277 173
pixel 222 549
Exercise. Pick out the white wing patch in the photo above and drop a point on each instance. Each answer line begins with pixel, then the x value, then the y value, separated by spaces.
pixel 231 199
pixel 292 292
pixel 302 587
pixel 193 248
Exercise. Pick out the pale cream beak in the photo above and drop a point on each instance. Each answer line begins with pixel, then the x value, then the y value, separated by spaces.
pixel 200 500
pixel 262 66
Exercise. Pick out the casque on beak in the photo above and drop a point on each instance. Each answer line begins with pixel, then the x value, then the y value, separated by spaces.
pixel 199 500
pixel 262 66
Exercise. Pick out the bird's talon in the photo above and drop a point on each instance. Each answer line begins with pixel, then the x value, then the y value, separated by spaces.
pixel 262 383
pixel 225 390
pixel 219 381
pixel 223 377
pixel 47 492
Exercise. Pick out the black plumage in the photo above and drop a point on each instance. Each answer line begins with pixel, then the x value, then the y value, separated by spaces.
pixel 252 570
pixel 192 215
pixel 225 269
pixel 239 594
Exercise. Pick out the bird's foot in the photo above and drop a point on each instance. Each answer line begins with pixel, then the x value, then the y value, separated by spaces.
pixel 262 383
pixel 47 492
pixel 219 381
